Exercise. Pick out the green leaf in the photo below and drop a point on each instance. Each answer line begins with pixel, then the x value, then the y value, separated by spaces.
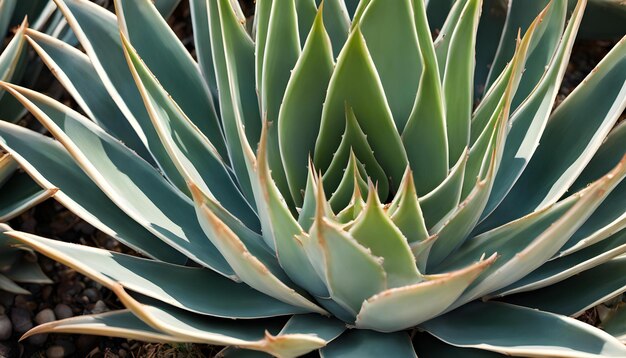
pixel 352 180
pixel 442 200
pixel 337 23
pixel 356 83
pixel 420 302
pixel 307 10
pixel 122 175
pixel 374 230
pixel 199 10
pixel 428 346
pixel 492 20
pixel 78 76
pixel 194 155
pixel 562 268
pixel 569 140
pixel 159 48
pixel 526 244
pixel 19 194
pixel 458 80
pixel 615 324
pixel 359 343
pixel 50 165
pixel 335 253
pixel 406 213
pixel 171 284
pixel 398 63
pixel 424 136
pixel 592 287
pixel 96 29
pixel 300 113
pixel 540 333
pixel 355 141
pixel 233 53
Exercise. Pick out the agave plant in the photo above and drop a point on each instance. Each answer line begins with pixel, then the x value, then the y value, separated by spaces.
pixel 321 180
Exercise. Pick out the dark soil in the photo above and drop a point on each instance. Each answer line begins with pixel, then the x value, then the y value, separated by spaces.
pixel 74 294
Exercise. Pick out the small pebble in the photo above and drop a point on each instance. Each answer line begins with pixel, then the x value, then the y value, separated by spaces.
pixel 63 311
pixel 6 328
pixel 122 353
pixel 45 316
pixel 99 307
pixel 55 352
pixel 21 320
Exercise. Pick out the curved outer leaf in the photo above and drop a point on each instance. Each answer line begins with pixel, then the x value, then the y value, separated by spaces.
pixel 14 54
pixel 571 134
pixel 159 47
pixel 544 334
pixel 610 217
pixel 355 81
pixel 424 136
pixel 194 155
pixel 374 230
pixel 52 167
pixel 78 76
pixel 358 343
pixel 398 63
pixel 255 267
pixel 592 287
pixel 134 185
pixel 428 346
pixel 233 55
pixel 458 80
pixel 301 110
pixel 175 285
pixel 546 244
pixel 96 29
pixel 420 302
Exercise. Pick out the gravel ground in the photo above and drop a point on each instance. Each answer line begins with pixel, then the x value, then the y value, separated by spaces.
pixel 74 294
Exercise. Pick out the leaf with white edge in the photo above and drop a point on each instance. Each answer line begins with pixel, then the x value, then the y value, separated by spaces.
pixel 420 302
pixel 424 136
pixel 194 155
pixel 301 110
pixel 334 254
pixel 78 76
pixel 374 230
pixel 279 227
pixel 254 266
pixel 592 287
pixel 531 251
pixel 569 139
pixel 398 63
pixel 356 83
pixel 13 53
pixel 262 335
pixel 233 54
pixel 442 200
pixel 171 284
pixel 458 79
pixel 562 268
pixel 428 346
pixel 159 47
pixel 444 33
pixel 119 323
pixel 96 29
pixel 133 184
pixel 359 343
pixel 327 328
pixel 19 194
pixel 545 334
pixel 50 165
pixel 610 217
pixel 490 28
